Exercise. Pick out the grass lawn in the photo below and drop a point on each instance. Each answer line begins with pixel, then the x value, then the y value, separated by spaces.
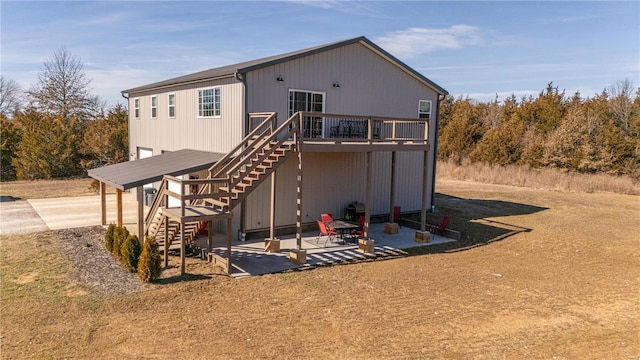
pixel 538 274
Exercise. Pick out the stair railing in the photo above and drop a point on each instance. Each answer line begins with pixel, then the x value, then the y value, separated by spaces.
pixel 284 132
pixel 154 206
pixel 266 127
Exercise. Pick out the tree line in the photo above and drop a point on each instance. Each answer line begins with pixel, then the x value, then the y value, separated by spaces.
pixel 57 128
pixel 600 134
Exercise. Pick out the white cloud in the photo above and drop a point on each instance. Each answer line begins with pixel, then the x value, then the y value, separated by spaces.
pixel 418 41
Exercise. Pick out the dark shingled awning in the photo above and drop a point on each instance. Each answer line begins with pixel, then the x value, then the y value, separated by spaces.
pixel 131 174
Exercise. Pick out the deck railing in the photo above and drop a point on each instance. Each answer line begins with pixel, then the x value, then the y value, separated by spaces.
pixel 354 128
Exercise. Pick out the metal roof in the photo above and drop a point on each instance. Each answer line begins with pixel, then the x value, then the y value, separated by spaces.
pixel 131 174
pixel 244 67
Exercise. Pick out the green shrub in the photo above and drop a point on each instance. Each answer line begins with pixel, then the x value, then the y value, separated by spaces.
pixel 149 266
pixel 130 253
pixel 120 234
pixel 108 237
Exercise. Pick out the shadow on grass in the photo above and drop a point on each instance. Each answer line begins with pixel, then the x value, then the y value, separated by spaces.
pixel 471 218
pixel 181 278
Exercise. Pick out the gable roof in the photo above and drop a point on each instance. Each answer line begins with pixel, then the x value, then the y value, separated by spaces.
pixel 244 67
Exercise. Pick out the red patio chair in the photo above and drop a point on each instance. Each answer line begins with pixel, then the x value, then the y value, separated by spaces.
pixel 326 218
pixel 360 230
pixel 327 233
pixel 440 228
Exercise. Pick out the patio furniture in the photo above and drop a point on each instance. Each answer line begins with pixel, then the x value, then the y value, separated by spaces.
pixel 327 233
pixel 360 229
pixel 440 228
pixel 326 218
pixel 342 228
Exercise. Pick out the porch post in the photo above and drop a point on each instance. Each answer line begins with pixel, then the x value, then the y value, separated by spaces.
pixel 392 195
pixel 103 202
pixel 425 170
pixel 229 239
pixel 299 204
pixel 367 204
pixel 139 195
pixel 119 206
pixel 166 241
pixel 182 248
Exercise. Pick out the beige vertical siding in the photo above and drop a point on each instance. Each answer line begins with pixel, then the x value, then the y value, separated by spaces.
pixel 187 130
pixel 369 85
pixel 331 181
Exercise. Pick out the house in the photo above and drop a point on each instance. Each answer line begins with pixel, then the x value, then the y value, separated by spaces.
pixel 270 144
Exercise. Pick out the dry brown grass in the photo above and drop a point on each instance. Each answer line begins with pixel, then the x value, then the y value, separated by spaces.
pixel 565 285
pixel 39 189
pixel 546 178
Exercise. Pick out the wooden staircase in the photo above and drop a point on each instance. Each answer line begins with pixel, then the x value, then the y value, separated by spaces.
pixel 230 181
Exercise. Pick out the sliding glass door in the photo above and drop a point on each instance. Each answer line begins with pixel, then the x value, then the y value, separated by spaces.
pixel 309 101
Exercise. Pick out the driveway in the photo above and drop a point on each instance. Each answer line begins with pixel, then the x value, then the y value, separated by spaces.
pixel 33 215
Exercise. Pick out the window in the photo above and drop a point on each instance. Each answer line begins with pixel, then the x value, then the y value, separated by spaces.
pixel 172 105
pixel 154 106
pixel 424 109
pixel 136 108
pixel 310 101
pixel 209 102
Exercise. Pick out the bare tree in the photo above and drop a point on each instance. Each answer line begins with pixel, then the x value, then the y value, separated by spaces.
pixel 63 88
pixel 621 93
pixel 10 96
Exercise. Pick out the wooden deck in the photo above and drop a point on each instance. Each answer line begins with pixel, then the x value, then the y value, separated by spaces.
pixel 196 213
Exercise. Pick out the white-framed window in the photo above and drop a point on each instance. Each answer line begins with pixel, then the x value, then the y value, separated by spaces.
pixel 136 108
pixel 309 101
pixel 171 100
pixel 424 109
pixel 154 107
pixel 209 102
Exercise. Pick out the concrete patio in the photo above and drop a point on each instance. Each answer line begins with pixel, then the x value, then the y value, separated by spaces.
pixel 248 258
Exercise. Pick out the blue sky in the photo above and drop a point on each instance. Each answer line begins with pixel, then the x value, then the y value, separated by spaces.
pixel 476 49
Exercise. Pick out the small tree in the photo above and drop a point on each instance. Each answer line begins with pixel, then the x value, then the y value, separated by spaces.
pixel 108 237
pixel 119 236
pixel 149 266
pixel 130 253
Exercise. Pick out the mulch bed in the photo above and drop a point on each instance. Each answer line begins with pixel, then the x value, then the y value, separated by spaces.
pixel 95 266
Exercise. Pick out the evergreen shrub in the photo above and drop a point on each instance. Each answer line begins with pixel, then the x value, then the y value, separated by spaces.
pixel 120 234
pixel 108 237
pixel 130 253
pixel 149 265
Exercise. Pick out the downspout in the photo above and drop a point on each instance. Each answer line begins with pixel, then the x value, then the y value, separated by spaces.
pixel 243 80
pixel 435 151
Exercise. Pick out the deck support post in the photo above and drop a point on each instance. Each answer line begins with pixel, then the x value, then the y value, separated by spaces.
pixel 166 241
pixel 140 196
pixel 103 202
pixel 272 210
pixel 392 191
pixel 425 171
pixel 182 248
pixel 367 204
pixel 299 204
pixel 209 236
pixel 119 207
pixel 229 240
